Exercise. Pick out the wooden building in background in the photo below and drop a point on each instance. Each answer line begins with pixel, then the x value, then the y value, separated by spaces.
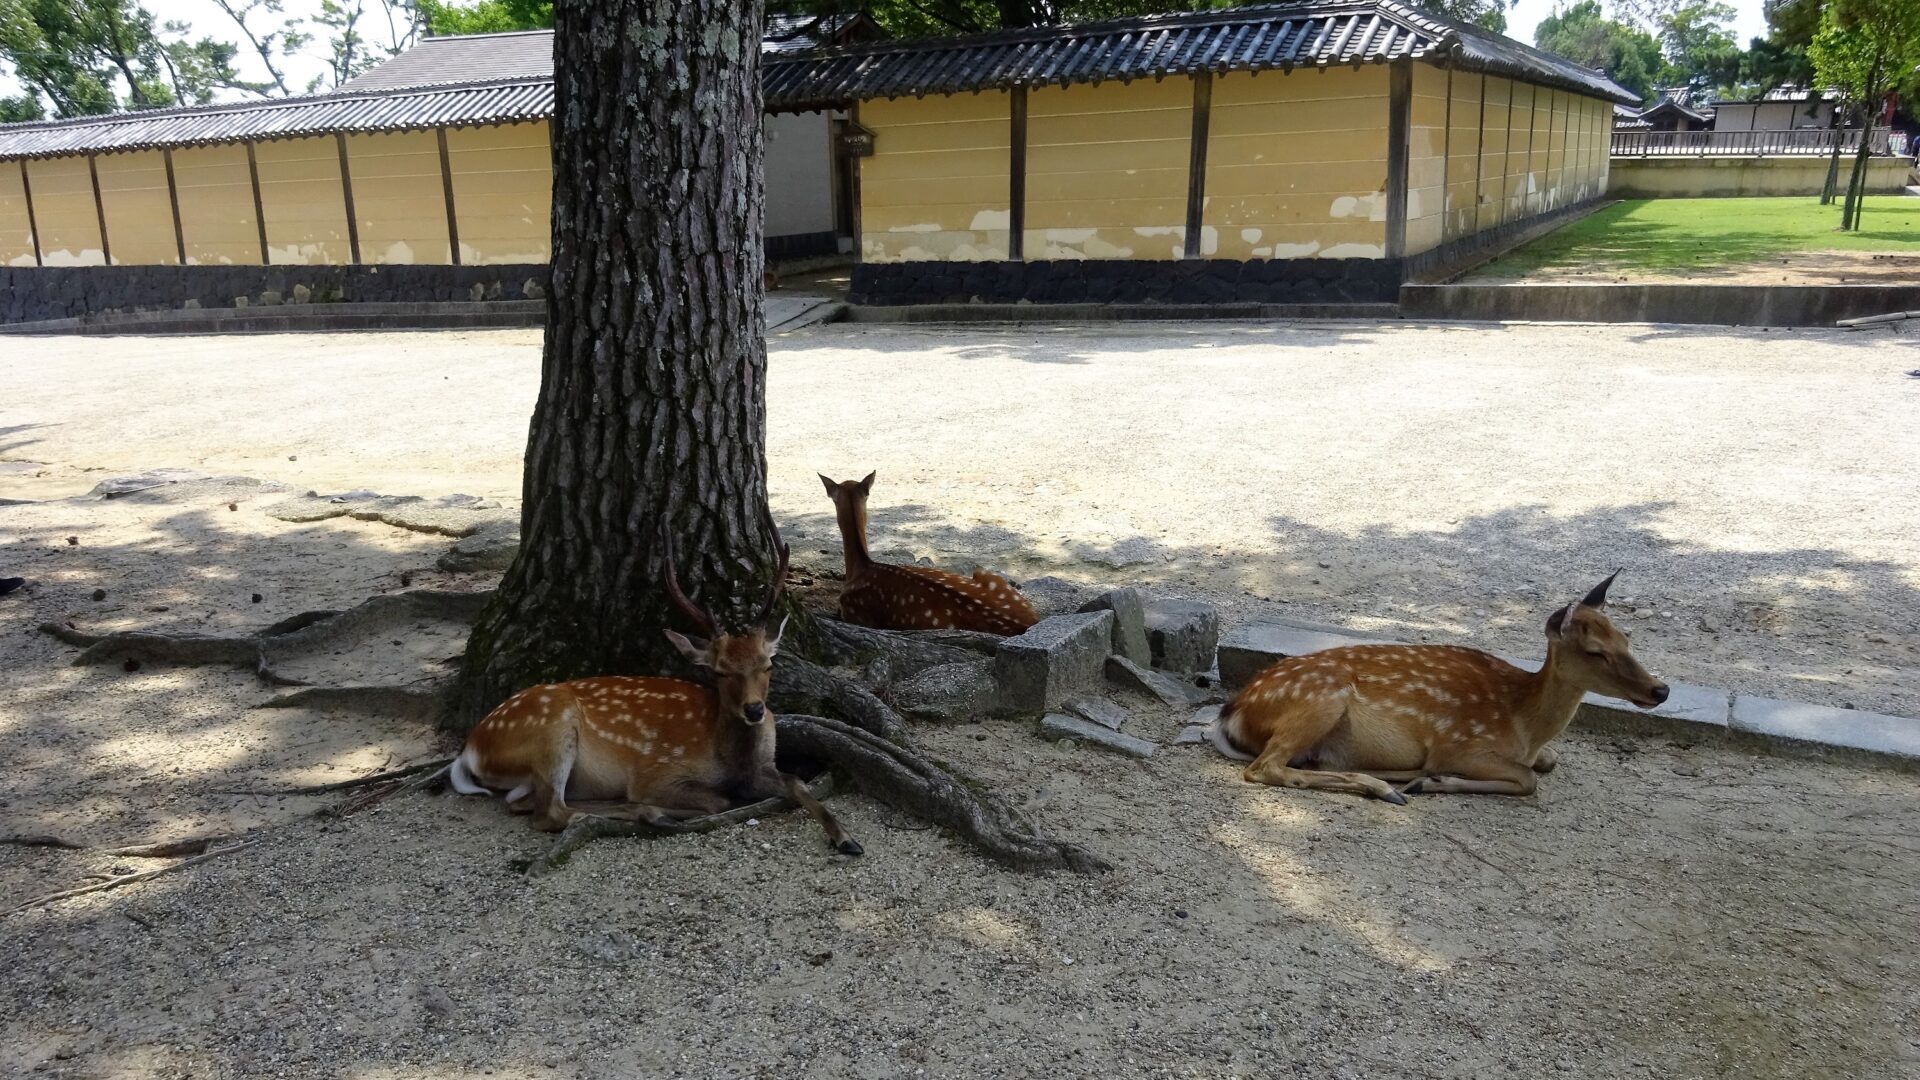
pixel 1287 152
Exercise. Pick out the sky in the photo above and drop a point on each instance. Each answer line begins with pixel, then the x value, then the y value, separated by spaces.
pixel 206 18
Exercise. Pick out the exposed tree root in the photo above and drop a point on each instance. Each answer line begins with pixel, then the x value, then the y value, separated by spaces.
pixel 422 700
pixel 341 785
pixel 171 849
pixel 589 827
pixel 128 879
pixel 904 778
pixel 907 653
pixel 801 686
pixel 428 774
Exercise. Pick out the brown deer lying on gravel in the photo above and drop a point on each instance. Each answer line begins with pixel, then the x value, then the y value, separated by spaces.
pixel 670 749
pixel 1445 718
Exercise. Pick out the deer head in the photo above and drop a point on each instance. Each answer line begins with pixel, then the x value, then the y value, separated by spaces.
pixel 742 663
pixel 1586 648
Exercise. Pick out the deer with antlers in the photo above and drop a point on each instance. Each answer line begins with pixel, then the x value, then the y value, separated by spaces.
pixel 893 597
pixel 1439 718
pixel 668 749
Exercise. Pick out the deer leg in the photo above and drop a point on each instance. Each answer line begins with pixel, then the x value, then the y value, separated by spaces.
pixel 1271 768
pixel 1483 775
pixel 1545 760
pixel 797 790
pixel 550 787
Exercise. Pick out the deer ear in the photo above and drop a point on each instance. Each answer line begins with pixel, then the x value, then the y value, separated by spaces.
pixel 867 484
pixel 694 650
pixel 773 640
pixel 832 488
pixel 1560 622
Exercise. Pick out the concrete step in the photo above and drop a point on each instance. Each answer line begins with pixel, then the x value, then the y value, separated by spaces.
pixel 300 318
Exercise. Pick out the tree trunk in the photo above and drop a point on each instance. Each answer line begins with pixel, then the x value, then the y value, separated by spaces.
pixel 1832 185
pixel 652 407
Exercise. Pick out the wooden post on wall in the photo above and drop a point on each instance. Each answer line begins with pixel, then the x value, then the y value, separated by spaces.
pixel 1506 158
pixel 1547 171
pixel 1446 165
pixel 33 223
pixel 99 210
pixel 1533 109
pixel 1197 162
pixel 1017 176
pixel 259 207
pixel 446 185
pixel 1399 110
pixel 173 202
pixel 1480 151
pixel 346 190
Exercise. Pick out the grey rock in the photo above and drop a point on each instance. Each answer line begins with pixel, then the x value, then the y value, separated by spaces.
pixel 190 304
pixel 949 692
pixel 1129 622
pixel 113 487
pixel 1183 634
pixel 1249 649
pixel 478 292
pixel 1169 690
pixel 531 290
pixel 239 301
pixel 1055 596
pixel 1206 716
pixel 1100 711
pixel 1190 735
pixel 1062 726
pixel 490 550
pixel 1057 658
pixel 302 294
pixel 270 298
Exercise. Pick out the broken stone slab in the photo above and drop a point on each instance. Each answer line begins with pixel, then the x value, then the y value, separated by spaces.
pixel 1100 711
pixel 1206 715
pixel 114 487
pixel 1249 649
pixel 1057 658
pixel 1169 690
pixel 491 550
pixel 1062 726
pixel 949 692
pixel 1182 634
pixel 1823 731
pixel 453 515
pixel 1129 622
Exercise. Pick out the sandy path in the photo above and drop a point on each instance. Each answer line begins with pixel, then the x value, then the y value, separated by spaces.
pixel 1415 481
pixel 1659 910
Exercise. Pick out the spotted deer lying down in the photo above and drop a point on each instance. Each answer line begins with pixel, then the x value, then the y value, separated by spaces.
pixel 889 596
pixel 1439 718
pixel 667 749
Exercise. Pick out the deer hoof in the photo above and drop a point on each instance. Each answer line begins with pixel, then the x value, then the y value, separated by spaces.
pixel 1412 787
pixel 850 846
pixel 1394 797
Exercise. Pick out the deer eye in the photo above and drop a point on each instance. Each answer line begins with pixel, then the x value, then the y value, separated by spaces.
pixel 1595 652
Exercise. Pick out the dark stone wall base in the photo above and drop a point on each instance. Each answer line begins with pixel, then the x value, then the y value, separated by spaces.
pixel 1127 281
pixel 35 293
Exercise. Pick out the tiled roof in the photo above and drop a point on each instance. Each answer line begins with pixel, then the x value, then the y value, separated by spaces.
pixel 1264 37
pixel 451 81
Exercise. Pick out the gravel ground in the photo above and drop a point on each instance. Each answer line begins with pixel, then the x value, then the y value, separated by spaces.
pixel 1658 910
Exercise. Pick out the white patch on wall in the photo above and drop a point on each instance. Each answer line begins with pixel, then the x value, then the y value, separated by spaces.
pixel 1097 248
pixel 1354 251
pixel 1069 236
pixel 1371 207
pixel 1262 252
pixel 1209 240
pixel 1296 251
pixel 1160 230
pixel 23 260
pixel 1344 206
pixel 992 219
pixel 63 257
pixel 1250 236
pixel 399 253
pixel 914 228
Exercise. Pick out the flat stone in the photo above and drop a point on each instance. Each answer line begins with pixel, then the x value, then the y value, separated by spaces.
pixel 1169 690
pixel 1057 658
pixel 114 487
pixel 490 550
pixel 1054 595
pixel 1205 716
pixel 948 692
pixel 1191 735
pixel 1062 726
pixel 1129 622
pixel 1182 634
pixel 1847 732
pixel 1100 711
pixel 1249 649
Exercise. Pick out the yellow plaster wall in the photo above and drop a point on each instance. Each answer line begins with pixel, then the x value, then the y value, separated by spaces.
pixel 1297 165
pixel 935 187
pixel 1464 156
pixel 502 192
pixel 301 198
pixel 133 193
pixel 216 205
pixel 1491 208
pixel 1107 170
pixel 16 229
pixel 63 208
pixel 1427 147
pixel 399 198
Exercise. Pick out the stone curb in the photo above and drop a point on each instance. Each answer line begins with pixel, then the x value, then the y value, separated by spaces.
pixel 1697 714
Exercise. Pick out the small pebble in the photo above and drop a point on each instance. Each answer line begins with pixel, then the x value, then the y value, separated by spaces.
pixel 99 594
pixel 73 541
pixel 257 598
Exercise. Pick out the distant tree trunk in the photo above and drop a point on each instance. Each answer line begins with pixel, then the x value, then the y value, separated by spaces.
pixel 652 406
pixel 1832 186
pixel 1857 183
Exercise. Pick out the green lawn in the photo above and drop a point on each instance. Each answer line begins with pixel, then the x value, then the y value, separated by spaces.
pixel 1676 235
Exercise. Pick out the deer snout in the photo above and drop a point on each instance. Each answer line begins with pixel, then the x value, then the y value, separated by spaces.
pixel 1659 694
pixel 756 711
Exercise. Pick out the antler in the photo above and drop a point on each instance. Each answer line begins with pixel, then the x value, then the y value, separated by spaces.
pixel 707 623
pixel 779 583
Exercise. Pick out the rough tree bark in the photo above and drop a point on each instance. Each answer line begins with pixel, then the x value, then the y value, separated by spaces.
pixel 651 412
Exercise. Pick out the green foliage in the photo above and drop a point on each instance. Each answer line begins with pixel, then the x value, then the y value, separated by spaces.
pixel 14 110
pixel 487 16
pixel 1867 48
pixel 1629 55
pixel 1682 235
pixel 1701 51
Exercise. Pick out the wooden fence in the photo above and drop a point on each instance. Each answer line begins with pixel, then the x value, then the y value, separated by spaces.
pixel 1809 141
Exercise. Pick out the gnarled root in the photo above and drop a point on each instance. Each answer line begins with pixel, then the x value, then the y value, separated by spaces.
pixel 906 652
pixel 586 828
pixel 802 686
pixel 904 778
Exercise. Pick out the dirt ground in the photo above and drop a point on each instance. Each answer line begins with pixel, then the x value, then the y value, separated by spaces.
pixel 1659 909
pixel 1786 268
